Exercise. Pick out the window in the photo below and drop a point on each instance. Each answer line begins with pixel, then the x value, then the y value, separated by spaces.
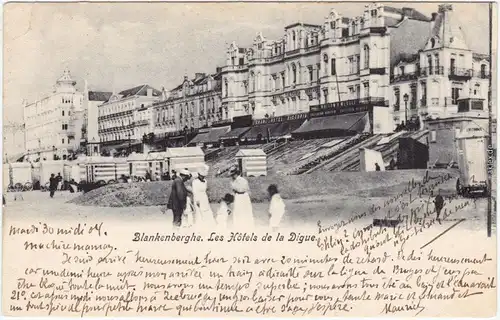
pixel 429 64
pixel 332 25
pixel 455 94
pixel 225 89
pixel 358 62
pixel 366 51
pixel 325 94
pixel 62 140
pixel 413 92
pixel 423 100
pixel 65 127
pixel 333 66
pixel 374 13
pixel 242 61
pixel 402 70
pixel 436 58
pixel 366 87
pixel 311 74
pixel 351 65
pixel 477 89
pixel 397 100
pixel 63 113
pixel 483 71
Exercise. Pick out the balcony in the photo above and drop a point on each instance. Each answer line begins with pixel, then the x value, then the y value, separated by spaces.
pixel 141 122
pixel 407 76
pixel 460 74
pixel 429 71
pixel 292 52
pixel 378 30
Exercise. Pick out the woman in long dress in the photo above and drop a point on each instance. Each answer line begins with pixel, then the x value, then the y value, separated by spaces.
pixel 204 217
pixel 242 207
pixel 188 215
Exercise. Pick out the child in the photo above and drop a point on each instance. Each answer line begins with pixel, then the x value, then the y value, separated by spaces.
pixel 276 207
pixel 224 211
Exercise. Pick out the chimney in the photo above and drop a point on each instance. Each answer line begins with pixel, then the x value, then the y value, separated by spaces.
pixel 433 21
pixel 408 12
pixel 218 69
pixel 150 92
pixel 185 77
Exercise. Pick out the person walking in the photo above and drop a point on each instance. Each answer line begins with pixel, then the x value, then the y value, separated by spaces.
pixel 276 207
pixel 178 197
pixel 203 216
pixel 438 204
pixel 242 208
pixel 53 182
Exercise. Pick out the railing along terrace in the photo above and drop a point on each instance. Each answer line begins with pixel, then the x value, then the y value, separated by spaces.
pixel 461 72
pixel 406 76
pixel 431 71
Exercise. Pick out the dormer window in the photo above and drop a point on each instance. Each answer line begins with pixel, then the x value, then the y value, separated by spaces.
pixel 374 13
pixel 433 43
pixel 402 70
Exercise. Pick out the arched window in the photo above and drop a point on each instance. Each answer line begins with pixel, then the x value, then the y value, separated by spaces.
pixel 258 80
pixel 226 89
pixel 366 51
pixel 294 73
pixel 252 82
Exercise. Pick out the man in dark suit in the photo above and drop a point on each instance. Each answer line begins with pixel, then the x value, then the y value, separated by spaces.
pixel 53 181
pixel 178 197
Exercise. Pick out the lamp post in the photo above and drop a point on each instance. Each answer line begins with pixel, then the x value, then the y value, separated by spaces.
pixel 405 98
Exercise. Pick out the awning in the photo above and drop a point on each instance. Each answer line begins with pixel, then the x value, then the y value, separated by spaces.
pixel 211 135
pixel 235 133
pixel 286 128
pixel 260 132
pixel 354 122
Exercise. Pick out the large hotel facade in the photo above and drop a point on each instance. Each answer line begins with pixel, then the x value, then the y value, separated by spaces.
pixel 375 61
pixel 390 66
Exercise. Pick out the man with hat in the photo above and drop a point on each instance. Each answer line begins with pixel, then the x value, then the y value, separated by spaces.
pixel 178 197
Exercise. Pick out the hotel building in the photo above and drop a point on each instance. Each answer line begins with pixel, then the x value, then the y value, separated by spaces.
pixel 353 65
pixel 121 120
pixel 53 123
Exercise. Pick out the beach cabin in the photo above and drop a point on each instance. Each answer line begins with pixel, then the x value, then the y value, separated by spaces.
pixel 191 158
pixel 71 171
pixel 137 164
pixel 252 162
pixel 107 169
pixel 20 172
pixel 48 167
pixel 157 164
pixel 369 158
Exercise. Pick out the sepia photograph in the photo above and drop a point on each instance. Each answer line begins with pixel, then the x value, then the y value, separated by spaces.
pixel 319 159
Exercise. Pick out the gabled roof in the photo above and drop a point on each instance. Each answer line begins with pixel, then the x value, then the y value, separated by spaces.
pixel 401 48
pixel 251 153
pixel 99 95
pixel 141 90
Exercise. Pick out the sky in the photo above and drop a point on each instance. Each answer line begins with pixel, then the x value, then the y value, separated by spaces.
pixel 115 46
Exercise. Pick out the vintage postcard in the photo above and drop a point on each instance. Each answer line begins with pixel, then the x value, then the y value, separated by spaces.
pixel 238 159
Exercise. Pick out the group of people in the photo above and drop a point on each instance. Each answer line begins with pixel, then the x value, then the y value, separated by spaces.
pixel 55 183
pixel 190 204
